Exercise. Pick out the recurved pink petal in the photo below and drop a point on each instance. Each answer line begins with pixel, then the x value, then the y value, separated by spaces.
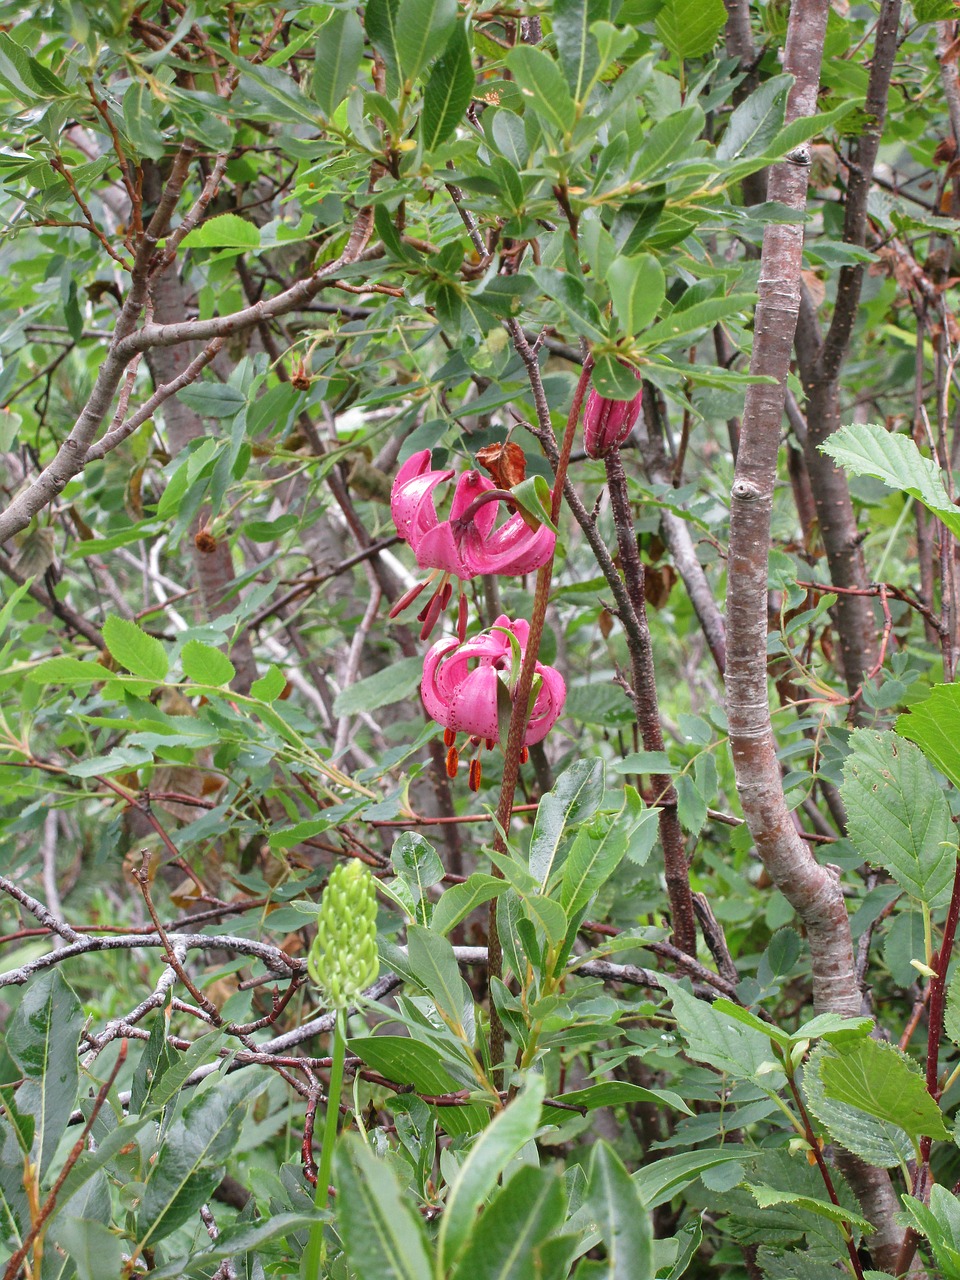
pixel 548 704
pixel 469 487
pixel 411 500
pixel 514 548
pixel 435 699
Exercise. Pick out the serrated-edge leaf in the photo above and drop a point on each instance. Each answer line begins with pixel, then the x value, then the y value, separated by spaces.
pixel 898 815
pixel 877 1078
pixel 204 664
pixel 141 654
pixel 766 1197
pixel 892 458
pixel 875 1140
pixel 225 231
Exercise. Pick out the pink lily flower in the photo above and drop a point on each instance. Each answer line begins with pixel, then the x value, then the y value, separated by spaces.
pixel 462 682
pixel 608 423
pixel 467 543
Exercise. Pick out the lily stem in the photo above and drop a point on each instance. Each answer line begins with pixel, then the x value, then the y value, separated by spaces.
pixel 315 1248
pixel 519 718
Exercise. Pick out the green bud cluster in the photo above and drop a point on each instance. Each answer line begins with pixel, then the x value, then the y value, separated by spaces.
pixel 343 959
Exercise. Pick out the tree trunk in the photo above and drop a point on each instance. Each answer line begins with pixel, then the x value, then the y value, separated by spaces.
pixel 813 890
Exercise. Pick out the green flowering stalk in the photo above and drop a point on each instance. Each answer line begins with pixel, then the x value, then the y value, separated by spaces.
pixel 342 962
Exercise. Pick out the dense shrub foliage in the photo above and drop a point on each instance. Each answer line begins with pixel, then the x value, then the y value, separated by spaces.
pixel 480 606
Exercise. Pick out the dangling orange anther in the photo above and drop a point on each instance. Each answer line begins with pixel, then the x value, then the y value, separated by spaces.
pixel 476 774
pixel 453 762
pixel 524 755
pixel 449 737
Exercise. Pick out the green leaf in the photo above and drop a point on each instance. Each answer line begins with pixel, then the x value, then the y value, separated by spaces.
pixel 423 28
pixel 668 141
pixel 67 671
pixel 337 55
pixel 96 1250
pixel 504 1245
pixel 804 128
pixel 460 899
pixel 448 91
pixel 157 1056
pixel 42 1040
pixel 395 683
pixel 767 1196
pixel 616 1206
pixel 690 28
pixel 380 21
pixel 533 494
pixel 720 1041
pixel 934 10
pixel 951 1013
pixel 549 916
pixel 576 43
pixel 542 84
pixel 204 664
pixel 381 1232
pixel 934 726
pixel 225 231
pixel 940 1223
pixel 406 1061
pixel 700 315
pixel 877 1078
pixel 613 380
pixel 134 649
pixel 617 1093
pixel 435 967
pixel 213 400
pixel 875 1140
pixel 637 287
pixel 868 450
pixel 756 121
pixel 661 1180
pixel 597 851
pixel 510 1130
pixel 898 815
pixel 190 1160
pixel 269 687
pixel 233 1242
pixel 575 796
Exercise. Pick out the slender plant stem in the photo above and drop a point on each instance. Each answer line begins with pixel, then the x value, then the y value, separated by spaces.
pixel 315 1247
pixel 648 713
pixel 520 716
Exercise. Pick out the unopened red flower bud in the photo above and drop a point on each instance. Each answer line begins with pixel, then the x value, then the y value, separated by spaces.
pixel 607 423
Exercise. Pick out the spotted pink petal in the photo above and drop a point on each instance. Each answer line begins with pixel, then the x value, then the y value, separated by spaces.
pixel 411 497
pixel 437 549
pixel 473 708
pixel 469 487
